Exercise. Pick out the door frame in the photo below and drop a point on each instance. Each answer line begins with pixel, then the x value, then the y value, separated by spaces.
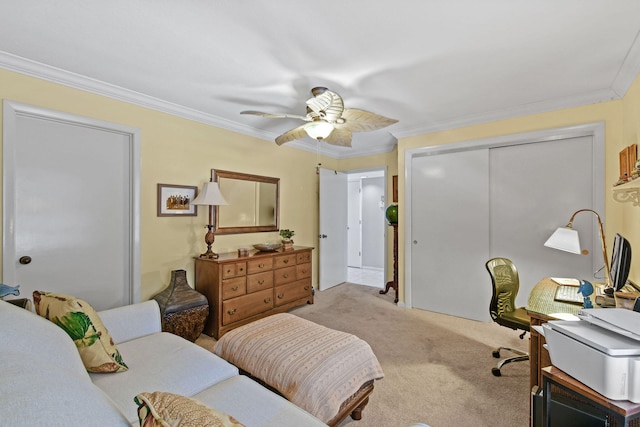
pixel 596 130
pixel 12 110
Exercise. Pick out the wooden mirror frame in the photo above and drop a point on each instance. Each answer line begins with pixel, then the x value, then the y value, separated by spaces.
pixel 216 175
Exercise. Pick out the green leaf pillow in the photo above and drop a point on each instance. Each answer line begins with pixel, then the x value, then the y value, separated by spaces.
pixel 81 322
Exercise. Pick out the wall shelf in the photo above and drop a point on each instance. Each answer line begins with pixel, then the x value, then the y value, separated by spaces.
pixel 629 192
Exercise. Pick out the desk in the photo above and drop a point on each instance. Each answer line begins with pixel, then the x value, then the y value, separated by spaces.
pixel 540 307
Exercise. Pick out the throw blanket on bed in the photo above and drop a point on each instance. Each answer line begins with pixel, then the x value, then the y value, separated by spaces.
pixel 315 367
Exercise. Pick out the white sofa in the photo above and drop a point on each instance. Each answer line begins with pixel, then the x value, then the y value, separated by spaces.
pixel 43 380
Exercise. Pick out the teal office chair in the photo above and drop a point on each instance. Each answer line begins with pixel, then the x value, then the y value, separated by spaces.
pixel 504 277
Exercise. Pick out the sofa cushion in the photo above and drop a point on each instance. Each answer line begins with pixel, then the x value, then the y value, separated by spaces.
pixel 166 362
pixel 78 319
pixel 254 405
pixel 169 410
pixel 37 393
pixel 48 345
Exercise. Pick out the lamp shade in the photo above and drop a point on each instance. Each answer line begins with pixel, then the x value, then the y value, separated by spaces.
pixel 318 129
pixel 565 239
pixel 210 195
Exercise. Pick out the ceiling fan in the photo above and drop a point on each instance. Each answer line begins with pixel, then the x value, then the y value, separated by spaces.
pixel 328 120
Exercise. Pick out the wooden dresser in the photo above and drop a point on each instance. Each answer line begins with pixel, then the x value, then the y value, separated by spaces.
pixel 243 289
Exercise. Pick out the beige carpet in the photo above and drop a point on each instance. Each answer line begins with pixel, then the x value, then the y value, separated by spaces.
pixel 437 367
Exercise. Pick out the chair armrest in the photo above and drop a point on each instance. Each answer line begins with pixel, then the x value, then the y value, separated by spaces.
pixel 132 321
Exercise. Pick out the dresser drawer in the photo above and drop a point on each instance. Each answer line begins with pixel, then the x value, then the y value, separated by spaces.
pixel 284 260
pixel 303 271
pixel 293 291
pixel 259 265
pixel 234 269
pixel 234 287
pixel 260 281
pixel 304 257
pixel 284 275
pixel 245 306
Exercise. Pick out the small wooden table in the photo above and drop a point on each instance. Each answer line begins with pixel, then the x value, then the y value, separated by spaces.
pixel 568 400
pixel 394 283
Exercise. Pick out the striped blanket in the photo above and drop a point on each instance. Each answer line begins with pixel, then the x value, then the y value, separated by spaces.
pixel 314 367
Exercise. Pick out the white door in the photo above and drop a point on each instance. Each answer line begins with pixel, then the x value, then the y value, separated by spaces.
pixel 450 190
pixel 354 225
pixel 70 206
pixel 333 228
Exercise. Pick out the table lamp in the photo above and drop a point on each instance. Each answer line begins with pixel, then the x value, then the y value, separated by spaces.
pixel 567 239
pixel 210 196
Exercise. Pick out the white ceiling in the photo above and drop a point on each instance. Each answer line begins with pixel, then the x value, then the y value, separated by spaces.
pixel 431 64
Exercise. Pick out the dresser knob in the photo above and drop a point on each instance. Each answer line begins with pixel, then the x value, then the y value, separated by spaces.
pixel 231 312
pixel 306 288
pixel 304 271
pixel 261 266
pixel 280 296
pixel 260 282
pixel 286 261
pixel 267 300
pixel 285 275
pixel 235 288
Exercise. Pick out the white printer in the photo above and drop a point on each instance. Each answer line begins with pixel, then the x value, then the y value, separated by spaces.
pixel 601 350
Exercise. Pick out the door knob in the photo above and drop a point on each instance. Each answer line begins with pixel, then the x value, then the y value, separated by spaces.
pixel 323 236
pixel 24 259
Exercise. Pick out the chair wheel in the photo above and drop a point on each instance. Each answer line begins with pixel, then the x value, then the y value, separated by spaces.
pixel 496 372
pixel 496 353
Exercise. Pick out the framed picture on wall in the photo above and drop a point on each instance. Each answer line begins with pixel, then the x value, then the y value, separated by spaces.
pixel 395 188
pixel 175 200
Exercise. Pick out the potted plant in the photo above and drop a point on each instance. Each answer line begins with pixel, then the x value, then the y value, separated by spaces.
pixel 286 235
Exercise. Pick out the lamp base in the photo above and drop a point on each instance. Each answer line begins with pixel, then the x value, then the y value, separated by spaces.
pixel 209 238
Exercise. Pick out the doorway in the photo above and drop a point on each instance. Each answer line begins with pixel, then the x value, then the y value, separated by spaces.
pixel 366 234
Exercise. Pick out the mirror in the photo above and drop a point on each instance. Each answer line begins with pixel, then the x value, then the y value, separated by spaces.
pixel 254 203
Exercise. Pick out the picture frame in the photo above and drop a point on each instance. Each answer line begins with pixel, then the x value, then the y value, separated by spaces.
pixel 394 182
pixel 175 200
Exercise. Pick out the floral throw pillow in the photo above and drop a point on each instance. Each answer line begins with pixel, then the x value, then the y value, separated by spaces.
pixel 78 319
pixel 161 409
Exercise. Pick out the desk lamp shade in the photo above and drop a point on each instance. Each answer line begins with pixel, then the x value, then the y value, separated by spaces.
pixel 565 239
pixel 210 196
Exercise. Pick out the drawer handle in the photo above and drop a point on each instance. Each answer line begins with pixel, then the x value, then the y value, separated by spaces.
pixel 306 288
pixel 285 275
pixel 260 265
pixel 304 271
pixel 241 269
pixel 267 300
pixel 260 282
pixel 228 271
pixel 280 296
pixel 286 261
pixel 235 288
pixel 231 312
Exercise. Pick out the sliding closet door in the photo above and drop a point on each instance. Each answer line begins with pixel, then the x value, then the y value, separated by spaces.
pixel 450 239
pixel 534 189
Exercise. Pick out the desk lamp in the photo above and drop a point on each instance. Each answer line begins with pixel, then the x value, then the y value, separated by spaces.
pixel 210 196
pixel 567 239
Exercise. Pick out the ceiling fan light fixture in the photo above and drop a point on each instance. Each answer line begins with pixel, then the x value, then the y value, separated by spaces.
pixel 318 129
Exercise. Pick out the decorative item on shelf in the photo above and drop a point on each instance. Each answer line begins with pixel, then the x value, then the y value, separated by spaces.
pixel 567 239
pixel 267 247
pixel 210 196
pixel 183 309
pixel 392 214
pixel 286 235
pixel 243 252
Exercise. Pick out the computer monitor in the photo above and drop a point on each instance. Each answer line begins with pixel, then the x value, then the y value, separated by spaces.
pixel 620 262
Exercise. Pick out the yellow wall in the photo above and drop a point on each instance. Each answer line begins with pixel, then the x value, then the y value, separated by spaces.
pixel 180 151
pixel 622 126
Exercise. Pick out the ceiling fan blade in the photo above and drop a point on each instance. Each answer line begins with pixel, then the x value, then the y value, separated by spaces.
pixel 356 120
pixel 292 135
pixel 339 137
pixel 276 116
